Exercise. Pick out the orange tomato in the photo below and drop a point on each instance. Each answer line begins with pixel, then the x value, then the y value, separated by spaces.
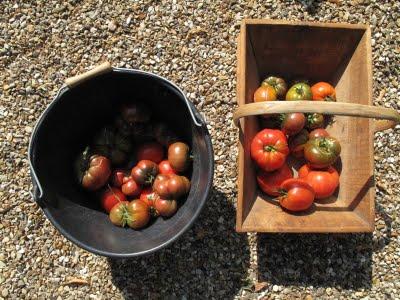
pixel 265 93
pixel 323 91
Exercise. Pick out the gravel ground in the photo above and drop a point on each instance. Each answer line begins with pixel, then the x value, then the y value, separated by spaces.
pixel 192 43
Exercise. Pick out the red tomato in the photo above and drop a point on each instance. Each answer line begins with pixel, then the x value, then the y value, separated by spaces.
pixel 145 172
pixel 130 187
pixel 270 182
pixel 293 123
pixel 171 186
pixel 165 168
pixel 117 177
pixel 94 171
pixel 148 196
pixel 323 91
pixel 269 149
pixel 111 197
pixel 298 195
pixel 150 151
pixel 165 208
pixel 319 132
pixel 324 182
pixel 179 156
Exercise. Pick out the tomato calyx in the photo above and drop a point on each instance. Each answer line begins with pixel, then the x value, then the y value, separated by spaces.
pixel 269 148
pixel 153 211
pixel 150 179
pixel 330 98
pixel 324 145
pixel 282 194
pixel 126 218
pixel 113 193
pixel 300 90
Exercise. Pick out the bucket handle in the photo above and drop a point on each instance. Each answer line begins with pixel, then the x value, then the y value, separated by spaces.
pixel 387 117
pixel 103 68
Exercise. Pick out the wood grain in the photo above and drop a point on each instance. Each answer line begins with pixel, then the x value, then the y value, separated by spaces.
pixel 343 57
pixel 328 108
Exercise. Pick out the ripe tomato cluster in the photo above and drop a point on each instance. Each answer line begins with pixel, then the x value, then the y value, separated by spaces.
pixel 303 137
pixel 136 167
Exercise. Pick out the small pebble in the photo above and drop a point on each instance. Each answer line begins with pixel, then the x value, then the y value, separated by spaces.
pixel 112 26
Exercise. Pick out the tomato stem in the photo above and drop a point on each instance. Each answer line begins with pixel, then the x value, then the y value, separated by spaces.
pixel 114 194
pixel 269 148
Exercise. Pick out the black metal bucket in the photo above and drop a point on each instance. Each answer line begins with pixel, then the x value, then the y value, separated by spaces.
pixel 79 109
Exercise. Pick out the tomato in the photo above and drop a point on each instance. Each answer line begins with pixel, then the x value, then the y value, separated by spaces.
pixel 270 182
pixel 315 120
pixel 165 207
pixel 135 214
pixel 138 214
pixel 179 156
pixel 160 185
pixel 117 177
pixel 110 197
pixel 293 123
pixel 171 186
pixel 323 91
pixel 297 142
pixel 297 195
pixel 322 152
pixel 177 186
pixel 92 171
pixel 148 196
pixel 278 84
pixel 320 132
pixel 264 93
pixel 186 183
pixel 269 149
pixel 145 172
pixel 299 91
pixel 150 151
pixel 135 113
pixel 118 213
pixel 324 181
pixel 130 187
pixel 110 143
pixel 164 135
pixel 165 168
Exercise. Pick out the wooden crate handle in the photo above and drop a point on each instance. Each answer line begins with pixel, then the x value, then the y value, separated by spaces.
pixel 387 118
pixel 100 69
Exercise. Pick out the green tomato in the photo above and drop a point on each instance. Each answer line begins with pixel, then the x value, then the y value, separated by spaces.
pixel 322 152
pixel 315 120
pixel 299 91
pixel 278 84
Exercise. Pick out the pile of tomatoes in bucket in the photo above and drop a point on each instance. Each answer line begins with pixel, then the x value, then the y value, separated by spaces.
pixel 137 167
pixel 301 136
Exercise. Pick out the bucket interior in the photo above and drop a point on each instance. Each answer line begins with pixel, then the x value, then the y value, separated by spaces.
pixel 67 127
